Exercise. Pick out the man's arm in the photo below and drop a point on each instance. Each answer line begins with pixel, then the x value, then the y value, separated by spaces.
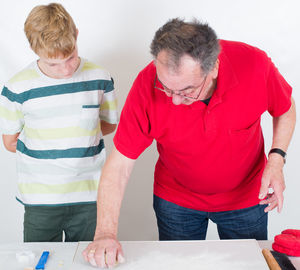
pixel 283 128
pixel 107 128
pixel 10 142
pixel 105 250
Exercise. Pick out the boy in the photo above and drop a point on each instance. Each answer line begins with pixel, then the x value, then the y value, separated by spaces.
pixel 53 114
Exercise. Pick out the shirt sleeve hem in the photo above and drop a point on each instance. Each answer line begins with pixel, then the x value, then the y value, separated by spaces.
pixel 124 152
pixel 10 131
pixel 283 111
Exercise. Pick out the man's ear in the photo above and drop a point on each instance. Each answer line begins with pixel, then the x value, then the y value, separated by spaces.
pixel 215 70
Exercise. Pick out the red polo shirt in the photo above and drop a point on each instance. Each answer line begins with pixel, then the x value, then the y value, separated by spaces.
pixel 211 158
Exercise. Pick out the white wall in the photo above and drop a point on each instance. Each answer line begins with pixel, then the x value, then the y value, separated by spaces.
pixel 117 35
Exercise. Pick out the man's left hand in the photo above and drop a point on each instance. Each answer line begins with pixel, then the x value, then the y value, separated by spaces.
pixel 272 178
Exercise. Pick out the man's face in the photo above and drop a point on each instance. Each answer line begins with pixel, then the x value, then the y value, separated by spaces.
pixel 187 78
pixel 60 68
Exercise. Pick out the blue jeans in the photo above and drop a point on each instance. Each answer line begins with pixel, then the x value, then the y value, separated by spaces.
pixel 179 223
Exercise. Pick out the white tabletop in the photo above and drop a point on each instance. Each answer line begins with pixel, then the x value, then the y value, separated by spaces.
pixel 187 255
pixel 232 254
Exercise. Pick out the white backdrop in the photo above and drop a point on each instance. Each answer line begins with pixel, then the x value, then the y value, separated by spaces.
pixel 117 34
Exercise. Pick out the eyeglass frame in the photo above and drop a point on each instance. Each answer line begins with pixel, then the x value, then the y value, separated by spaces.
pixel 173 92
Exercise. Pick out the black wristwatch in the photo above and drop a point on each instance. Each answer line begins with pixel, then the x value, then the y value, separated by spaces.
pixel 280 152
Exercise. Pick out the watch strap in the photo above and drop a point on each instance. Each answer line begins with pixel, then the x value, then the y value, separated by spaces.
pixel 280 152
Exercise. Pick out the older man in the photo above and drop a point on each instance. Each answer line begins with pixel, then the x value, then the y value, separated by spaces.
pixel 201 99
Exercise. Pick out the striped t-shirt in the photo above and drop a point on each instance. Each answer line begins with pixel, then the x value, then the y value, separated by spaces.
pixel 60 150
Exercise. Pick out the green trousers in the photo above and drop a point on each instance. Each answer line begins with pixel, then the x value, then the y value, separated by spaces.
pixel 47 223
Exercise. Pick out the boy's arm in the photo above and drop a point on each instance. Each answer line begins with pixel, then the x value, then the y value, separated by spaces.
pixel 107 128
pixel 10 142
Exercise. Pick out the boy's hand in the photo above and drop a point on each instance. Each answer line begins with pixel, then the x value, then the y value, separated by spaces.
pixel 107 128
pixel 10 142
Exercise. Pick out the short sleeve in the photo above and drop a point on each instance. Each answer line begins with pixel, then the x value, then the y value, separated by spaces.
pixel 279 92
pixel 108 106
pixel 11 116
pixel 132 136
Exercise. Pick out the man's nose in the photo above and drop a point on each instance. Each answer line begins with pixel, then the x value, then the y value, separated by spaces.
pixel 177 99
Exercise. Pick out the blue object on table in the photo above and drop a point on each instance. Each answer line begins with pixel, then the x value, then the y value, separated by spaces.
pixel 42 260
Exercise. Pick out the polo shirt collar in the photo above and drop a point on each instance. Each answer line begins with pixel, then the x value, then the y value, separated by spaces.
pixel 227 78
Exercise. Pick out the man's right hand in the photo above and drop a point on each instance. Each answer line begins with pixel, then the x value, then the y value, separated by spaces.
pixel 105 251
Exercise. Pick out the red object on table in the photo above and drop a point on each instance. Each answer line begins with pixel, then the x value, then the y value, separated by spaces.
pixel 288 242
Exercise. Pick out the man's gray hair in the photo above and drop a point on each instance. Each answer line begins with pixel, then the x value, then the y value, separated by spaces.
pixel 195 39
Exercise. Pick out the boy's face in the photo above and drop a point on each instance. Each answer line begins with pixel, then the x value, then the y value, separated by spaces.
pixel 60 68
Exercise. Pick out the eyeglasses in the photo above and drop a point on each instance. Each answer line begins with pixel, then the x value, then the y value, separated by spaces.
pixel 186 93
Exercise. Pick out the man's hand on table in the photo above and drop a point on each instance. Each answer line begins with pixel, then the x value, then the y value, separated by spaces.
pixel 105 251
pixel 272 178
